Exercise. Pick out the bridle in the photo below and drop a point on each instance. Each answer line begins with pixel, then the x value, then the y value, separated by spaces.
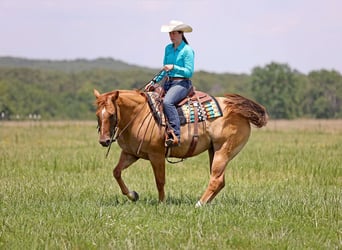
pixel 114 135
pixel 115 120
pixel 114 129
pixel 112 139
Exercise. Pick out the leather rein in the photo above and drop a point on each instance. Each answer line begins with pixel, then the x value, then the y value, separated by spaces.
pixel 115 134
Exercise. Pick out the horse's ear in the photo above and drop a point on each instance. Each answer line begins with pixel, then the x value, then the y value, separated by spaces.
pixel 115 96
pixel 96 93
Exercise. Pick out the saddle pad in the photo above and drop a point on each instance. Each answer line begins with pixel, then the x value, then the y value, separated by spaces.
pixel 208 110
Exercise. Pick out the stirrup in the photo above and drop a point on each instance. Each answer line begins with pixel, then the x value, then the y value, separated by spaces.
pixel 171 139
pixel 170 142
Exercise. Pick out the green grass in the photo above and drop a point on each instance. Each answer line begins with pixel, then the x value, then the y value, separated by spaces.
pixel 283 191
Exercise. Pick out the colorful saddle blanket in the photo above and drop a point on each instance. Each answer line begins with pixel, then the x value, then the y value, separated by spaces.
pixel 205 105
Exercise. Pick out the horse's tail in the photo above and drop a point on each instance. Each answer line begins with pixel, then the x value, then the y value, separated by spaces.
pixel 254 112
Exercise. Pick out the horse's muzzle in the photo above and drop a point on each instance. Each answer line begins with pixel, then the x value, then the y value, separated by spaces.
pixel 105 142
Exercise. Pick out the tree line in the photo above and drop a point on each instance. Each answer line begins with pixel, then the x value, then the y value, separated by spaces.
pixel 55 94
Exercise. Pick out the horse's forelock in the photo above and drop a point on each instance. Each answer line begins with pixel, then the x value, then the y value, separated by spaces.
pixel 104 101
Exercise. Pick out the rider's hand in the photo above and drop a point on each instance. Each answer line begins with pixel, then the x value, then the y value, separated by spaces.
pixel 149 86
pixel 168 67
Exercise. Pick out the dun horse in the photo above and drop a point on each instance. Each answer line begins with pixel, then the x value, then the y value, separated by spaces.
pixel 125 116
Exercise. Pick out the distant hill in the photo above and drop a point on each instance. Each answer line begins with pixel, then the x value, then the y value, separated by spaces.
pixel 63 89
pixel 76 65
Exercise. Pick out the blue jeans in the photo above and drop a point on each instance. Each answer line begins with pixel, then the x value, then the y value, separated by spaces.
pixel 175 91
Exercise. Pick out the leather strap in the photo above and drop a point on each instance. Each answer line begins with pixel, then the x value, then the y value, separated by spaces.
pixel 195 136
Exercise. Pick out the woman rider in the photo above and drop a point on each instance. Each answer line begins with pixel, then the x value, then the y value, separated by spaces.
pixel 178 69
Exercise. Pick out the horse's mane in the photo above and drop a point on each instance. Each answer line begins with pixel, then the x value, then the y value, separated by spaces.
pixel 101 101
pixel 251 110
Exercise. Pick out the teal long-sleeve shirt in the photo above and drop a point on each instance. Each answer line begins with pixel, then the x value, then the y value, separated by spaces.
pixel 182 59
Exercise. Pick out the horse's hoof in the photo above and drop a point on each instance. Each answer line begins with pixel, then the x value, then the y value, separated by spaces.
pixel 133 196
pixel 198 204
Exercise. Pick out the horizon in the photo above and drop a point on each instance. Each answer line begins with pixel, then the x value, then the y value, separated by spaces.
pixel 155 68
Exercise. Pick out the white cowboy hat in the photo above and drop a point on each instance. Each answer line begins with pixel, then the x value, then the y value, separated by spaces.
pixel 176 26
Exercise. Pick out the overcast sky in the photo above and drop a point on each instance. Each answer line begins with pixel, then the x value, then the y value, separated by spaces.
pixel 228 36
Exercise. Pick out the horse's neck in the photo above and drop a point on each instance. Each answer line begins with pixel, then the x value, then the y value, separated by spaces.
pixel 131 105
pixel 130 100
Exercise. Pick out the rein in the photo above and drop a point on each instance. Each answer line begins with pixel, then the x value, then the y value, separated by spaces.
pixel 153 80
pixel 115 131
pixel 167 154
pixel 113 139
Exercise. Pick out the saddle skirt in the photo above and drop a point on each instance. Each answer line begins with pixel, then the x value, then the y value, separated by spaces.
pixel 197 105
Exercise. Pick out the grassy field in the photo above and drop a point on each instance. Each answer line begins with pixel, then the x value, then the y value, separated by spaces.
pixel 283 191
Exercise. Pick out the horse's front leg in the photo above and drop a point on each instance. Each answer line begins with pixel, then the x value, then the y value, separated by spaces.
pixel 158 165
pixel 124 162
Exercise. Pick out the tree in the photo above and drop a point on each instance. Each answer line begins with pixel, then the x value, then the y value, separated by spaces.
pixel 324 98
pixel 276 87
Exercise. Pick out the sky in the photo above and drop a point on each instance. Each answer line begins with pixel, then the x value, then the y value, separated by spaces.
pixel 228 36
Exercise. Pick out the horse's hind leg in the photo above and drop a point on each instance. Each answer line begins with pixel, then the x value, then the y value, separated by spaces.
pixel 211 156
pixel 222 154
pixel 124 162
pixel 217 179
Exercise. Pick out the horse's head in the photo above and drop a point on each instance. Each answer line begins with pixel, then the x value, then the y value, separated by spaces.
pixel 107 116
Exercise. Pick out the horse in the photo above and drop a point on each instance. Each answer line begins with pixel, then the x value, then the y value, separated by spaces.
pixel 125 116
